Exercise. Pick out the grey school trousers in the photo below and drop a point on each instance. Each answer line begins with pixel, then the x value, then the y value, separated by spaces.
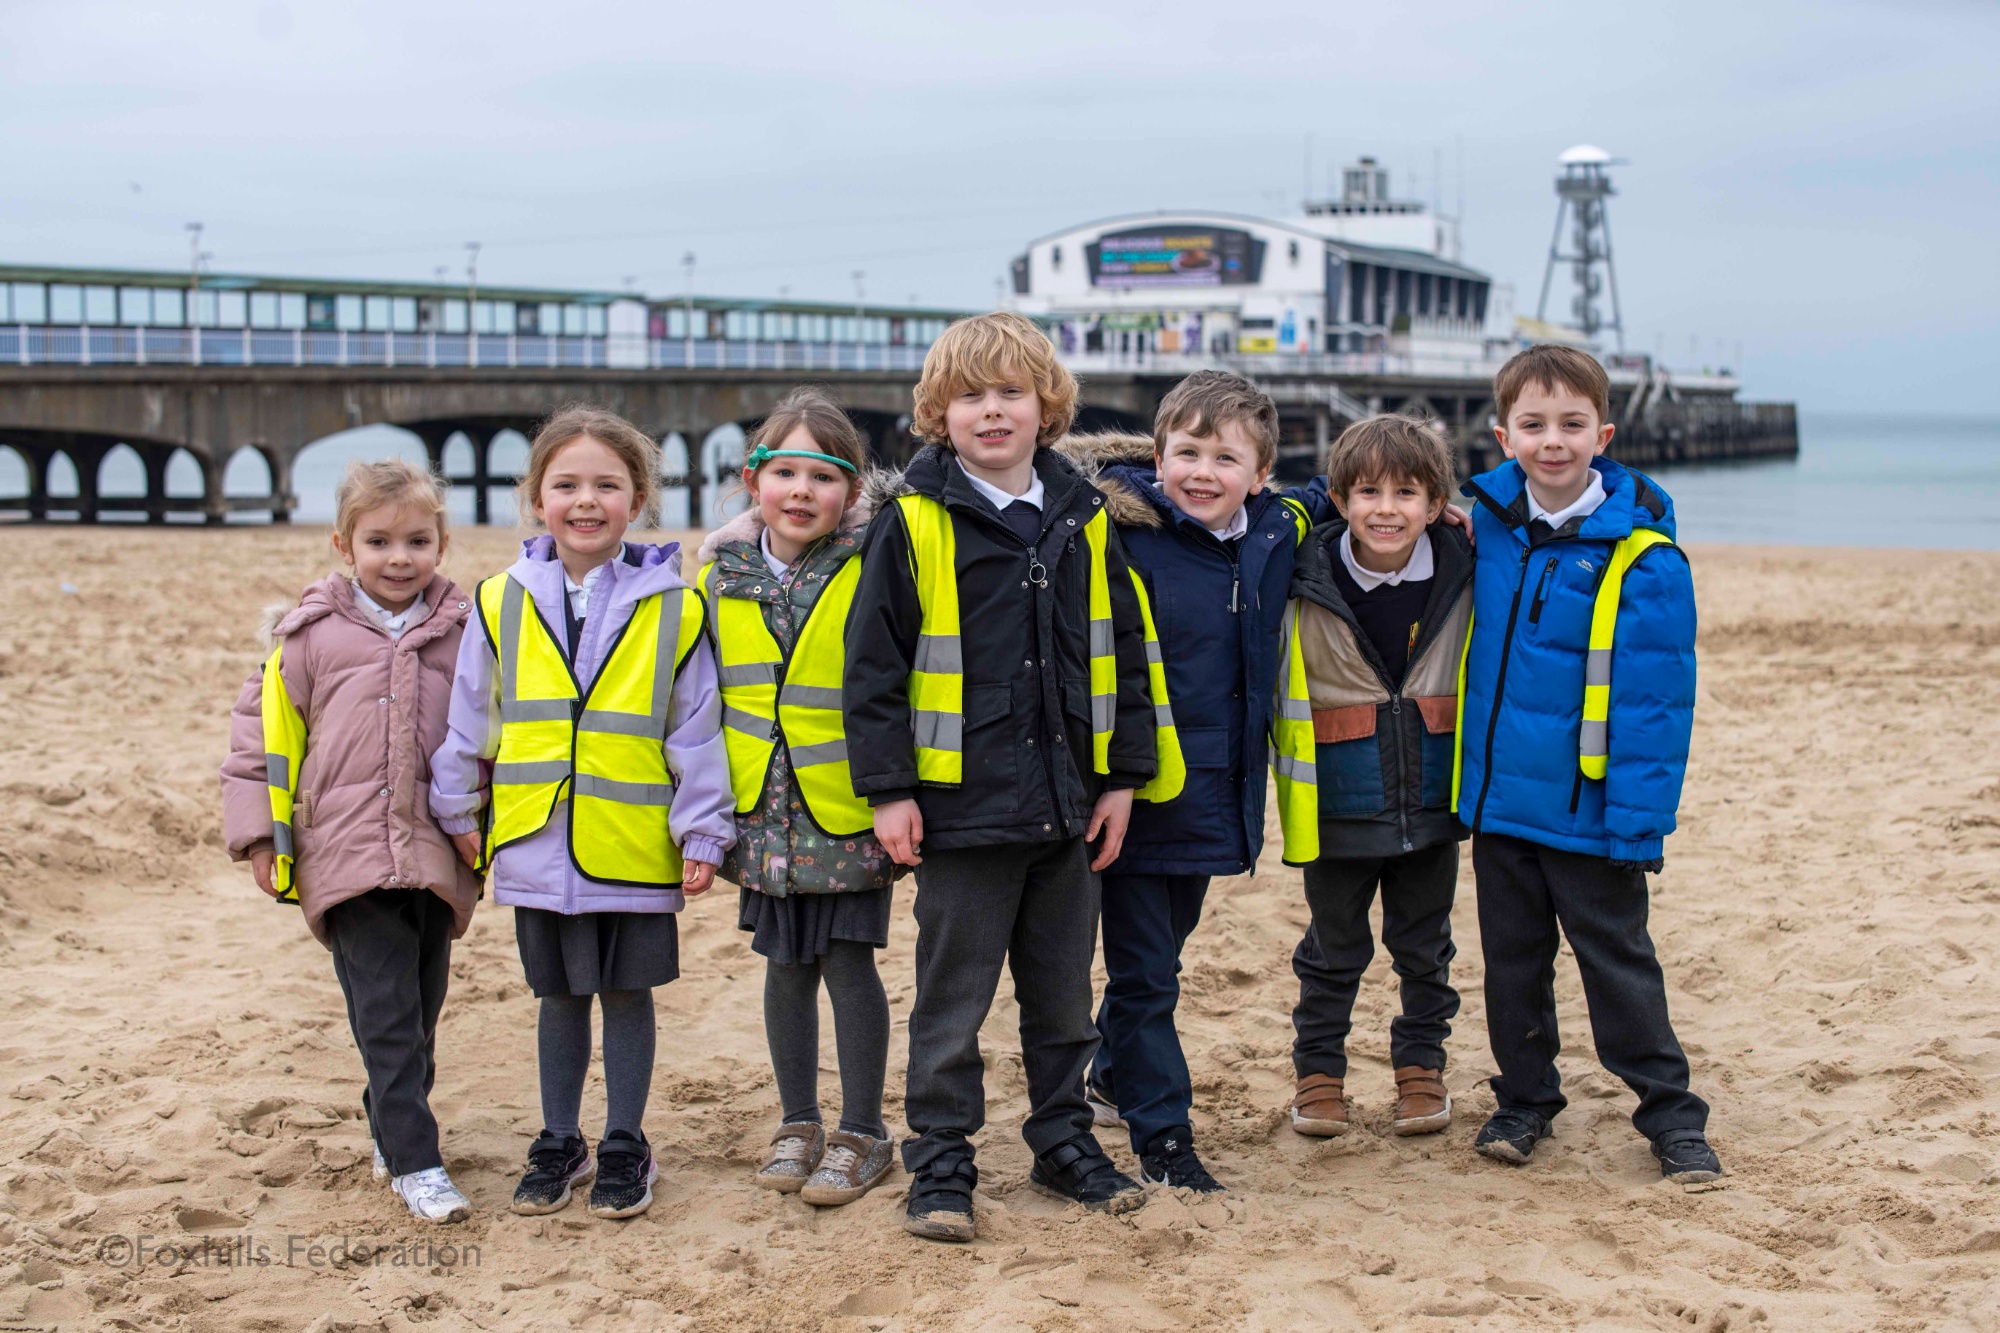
pixel 1034 906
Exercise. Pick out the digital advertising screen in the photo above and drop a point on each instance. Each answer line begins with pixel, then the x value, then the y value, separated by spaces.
pixel 1175 256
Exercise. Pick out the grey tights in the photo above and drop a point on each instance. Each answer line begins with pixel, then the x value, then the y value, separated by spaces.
pixel 563 1041
pixel 860 1034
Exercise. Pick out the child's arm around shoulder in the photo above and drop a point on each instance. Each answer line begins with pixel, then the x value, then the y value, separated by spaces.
pixel 703 819
pixel 1652 704
pixel 459 767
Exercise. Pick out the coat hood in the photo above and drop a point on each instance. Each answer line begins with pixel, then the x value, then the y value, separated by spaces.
pixel 1121 466
pixel 748 526
pixel 640 570
pixel 1631 500
pixel 334 595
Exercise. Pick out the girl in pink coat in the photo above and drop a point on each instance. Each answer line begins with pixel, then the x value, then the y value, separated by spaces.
pixel 324 794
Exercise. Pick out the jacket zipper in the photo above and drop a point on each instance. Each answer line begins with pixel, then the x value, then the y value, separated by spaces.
pixel 1402 768
pixel 1499 692
pixel 1541 592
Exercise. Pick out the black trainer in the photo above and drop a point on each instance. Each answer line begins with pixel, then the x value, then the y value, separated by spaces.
pixel 940 1202
pixel 1511 1135
pixel 625 1176
pixel 555 1167
pixel 1079 1171
pixel 1170 1160
pixel 1685 1156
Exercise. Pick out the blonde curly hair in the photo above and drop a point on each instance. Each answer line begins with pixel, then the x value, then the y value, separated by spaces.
pixel 984 350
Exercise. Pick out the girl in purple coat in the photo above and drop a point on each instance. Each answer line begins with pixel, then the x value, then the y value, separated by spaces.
pixel 585 765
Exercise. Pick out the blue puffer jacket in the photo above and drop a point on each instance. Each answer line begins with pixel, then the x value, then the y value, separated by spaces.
pixel 1222 664
pixel 1524 673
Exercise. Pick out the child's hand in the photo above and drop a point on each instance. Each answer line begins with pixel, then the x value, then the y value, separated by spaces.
pixel 899 827
pixel 468 848
pixel 696 876
pixel 1113 813
pixel 1458 518
pixel 264 864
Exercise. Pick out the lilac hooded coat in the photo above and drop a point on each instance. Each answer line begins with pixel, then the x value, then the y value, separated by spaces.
pixel 537 871
pixel 374 708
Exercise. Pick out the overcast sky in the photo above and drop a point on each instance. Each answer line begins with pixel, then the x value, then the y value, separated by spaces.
pixel 1814 182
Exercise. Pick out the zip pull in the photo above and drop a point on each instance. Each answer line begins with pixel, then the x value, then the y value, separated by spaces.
pixel 1235 584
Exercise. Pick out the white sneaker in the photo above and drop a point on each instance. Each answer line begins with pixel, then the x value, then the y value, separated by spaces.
pixel 1102 1113
pixel 381 1165
pixel 432 1197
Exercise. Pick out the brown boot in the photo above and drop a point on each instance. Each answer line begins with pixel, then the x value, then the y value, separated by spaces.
pixel 1422 1104
pixel 1319 1108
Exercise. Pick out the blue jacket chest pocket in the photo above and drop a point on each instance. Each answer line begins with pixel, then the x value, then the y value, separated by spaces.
pixel 1562 581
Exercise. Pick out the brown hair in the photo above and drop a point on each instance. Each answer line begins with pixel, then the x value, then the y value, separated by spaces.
pixel 1552 366
pixel 1206 401
pixel 571 422
pixel 366 486
pixel 981 351
pixel 832 430
pixel 1392 448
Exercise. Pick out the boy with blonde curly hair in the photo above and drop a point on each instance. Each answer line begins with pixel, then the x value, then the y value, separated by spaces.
pixel 998 718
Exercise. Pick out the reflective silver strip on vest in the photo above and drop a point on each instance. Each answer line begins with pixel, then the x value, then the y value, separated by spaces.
pixel 763 728
pixel 939 731
pixel 1153 657
pixel 511 594
pixel 1101 638
pixel 937 654
pixel 664 660
pixel 1298 770
pixel 826 752
pixel 750 673
pixel 809 696
pixel 1163 715
pixel 1595 739
pixel 621 724
pixel 277 771
pixel 534 710
pixel 1295 710
pixel 281 838
pixel 1103 712
pixel 1597 667
pixel 625 793
pixel 523 772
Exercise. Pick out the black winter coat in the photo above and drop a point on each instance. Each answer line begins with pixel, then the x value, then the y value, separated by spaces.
pixel 1025 647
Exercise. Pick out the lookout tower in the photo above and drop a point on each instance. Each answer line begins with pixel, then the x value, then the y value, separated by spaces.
pixel 1580 194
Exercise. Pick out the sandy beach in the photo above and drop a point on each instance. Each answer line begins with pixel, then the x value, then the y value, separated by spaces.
pixel 180 1108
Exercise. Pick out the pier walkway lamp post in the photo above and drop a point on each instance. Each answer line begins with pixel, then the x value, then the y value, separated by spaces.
pixel 471 303
pixel 195 257
pixel 687 316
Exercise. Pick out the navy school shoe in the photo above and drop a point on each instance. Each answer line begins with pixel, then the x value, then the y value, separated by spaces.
pixel 1170 1160
pixel 940 1201
pixel 625 1176
pixel 1511 1135
pixel 1077 1169
pixel 555 1167
pixel 1686 1157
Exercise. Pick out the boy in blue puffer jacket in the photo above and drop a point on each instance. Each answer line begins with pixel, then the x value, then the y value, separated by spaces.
pixel 1215 553
pixel 1577 700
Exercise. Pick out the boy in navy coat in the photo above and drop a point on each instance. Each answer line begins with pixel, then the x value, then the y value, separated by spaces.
pixel 1215 552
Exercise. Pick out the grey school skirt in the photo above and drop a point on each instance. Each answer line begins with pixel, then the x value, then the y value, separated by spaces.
pixel 596 951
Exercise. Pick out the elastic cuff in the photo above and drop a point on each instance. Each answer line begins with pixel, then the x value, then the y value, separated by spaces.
pixel 458 824
pixel 1647 849
pixel 704 849
pixel 253 847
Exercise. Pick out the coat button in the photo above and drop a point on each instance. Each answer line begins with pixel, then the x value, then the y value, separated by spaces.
pixel 1070 521
pixel 383 700
pixel 1030 665
pixel 385 791
pixel 1045 828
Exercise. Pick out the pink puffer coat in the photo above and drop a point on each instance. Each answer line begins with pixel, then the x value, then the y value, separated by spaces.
pixel 374 710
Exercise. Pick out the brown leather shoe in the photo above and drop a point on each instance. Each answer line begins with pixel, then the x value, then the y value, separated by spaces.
pixel 1422 1104
pixel 1319 1107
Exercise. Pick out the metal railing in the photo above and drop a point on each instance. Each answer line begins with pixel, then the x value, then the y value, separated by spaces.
pixel 95 345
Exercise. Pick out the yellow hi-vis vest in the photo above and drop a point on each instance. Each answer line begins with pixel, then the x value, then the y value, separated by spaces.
pixel 1594 737
pixel 602 749
pixel 1294 751
pixel 765 700
pixel 284 755
pixel 937 676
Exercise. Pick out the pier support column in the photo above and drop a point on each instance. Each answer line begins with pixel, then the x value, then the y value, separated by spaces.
pixel 214 505
pixel 88 458
pixel 156 460
pixel 1322 436
pixel 279 463
pixel 481 440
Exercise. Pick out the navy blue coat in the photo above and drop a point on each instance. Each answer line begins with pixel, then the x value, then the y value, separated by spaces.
pixel 1222 666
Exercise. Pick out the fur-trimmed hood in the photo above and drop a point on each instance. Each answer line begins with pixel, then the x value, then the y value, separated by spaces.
pixel 878 487
pixel 1103 459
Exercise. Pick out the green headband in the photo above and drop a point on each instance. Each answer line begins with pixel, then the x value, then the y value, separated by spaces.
pixel 764 454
